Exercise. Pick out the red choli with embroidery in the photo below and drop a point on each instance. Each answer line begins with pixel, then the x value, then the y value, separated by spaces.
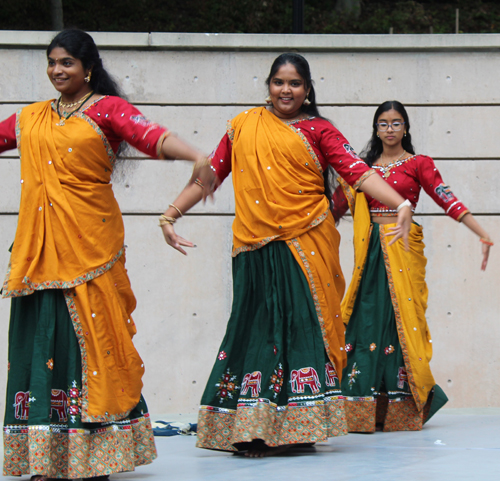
pixel 408 177
pixel 329 145
pixel 119 121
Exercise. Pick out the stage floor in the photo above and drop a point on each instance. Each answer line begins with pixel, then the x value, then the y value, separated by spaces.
pixel 455 445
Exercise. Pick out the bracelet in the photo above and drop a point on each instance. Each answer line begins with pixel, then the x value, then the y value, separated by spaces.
pixel 176 208
pixel 486 241
pixel 199 182
pixel 166 220
pixel 406 203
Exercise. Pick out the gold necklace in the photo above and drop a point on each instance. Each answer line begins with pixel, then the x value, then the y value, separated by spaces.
pixel 62 118
pixel 386 168
pixel 68 105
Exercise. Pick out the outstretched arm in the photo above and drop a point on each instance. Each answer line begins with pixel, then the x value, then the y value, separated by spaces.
pixel 196 190
pixel 432 182
pixel 470 221
pixel 187 199
pixel 175 148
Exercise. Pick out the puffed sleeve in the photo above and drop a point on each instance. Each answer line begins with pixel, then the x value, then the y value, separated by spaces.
pixel 8 134
pixel 342 157
pixel 432 182
pixel 221 158
pixel 120 120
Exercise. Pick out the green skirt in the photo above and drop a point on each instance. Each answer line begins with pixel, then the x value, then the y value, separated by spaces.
pixel 43 431
pixel 374 380
pixel 272 379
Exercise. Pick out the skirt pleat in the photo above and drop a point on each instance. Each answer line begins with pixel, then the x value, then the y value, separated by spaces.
pixel 272 379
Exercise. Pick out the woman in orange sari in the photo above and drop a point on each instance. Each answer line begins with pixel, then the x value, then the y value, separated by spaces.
pixel 276 378
pixel 74 404
pixel 388 383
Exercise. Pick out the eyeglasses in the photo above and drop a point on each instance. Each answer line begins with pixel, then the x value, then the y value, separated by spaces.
pixel 396 126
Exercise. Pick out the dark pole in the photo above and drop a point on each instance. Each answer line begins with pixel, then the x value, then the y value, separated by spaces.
pixel 298 16
pixel 56 9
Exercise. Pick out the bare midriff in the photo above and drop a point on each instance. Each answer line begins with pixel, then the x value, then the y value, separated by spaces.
pixel 385 220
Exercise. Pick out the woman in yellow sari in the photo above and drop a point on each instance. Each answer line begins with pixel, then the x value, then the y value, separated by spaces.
pixel 276 378
pixel 74 405
pixel 388 382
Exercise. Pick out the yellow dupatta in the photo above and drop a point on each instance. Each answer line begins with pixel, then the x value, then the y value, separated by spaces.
pixel 279 193
pixel 408 289
pixel 70 236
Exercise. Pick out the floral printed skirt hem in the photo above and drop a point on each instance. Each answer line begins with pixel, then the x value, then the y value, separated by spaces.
pixel 60 452
pixel 296 423
pixel 43 432
pixel 272 379
pixel 364 414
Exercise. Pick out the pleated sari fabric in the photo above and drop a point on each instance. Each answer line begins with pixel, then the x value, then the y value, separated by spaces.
pixel 388 380
pixel 74 405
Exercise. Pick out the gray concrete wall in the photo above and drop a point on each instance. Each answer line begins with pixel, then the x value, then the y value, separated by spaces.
pixel 193 83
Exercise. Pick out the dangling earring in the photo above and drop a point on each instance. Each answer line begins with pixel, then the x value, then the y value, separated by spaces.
pixel 306 100
pixel 404 134
pixel 378 135
pixel 268 99
pixel 87 78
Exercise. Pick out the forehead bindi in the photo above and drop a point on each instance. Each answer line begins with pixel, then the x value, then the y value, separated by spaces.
pixel 59 54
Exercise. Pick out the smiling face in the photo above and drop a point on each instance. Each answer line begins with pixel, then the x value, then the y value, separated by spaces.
pixel 288 91
pixel 67 74
pixel 391 137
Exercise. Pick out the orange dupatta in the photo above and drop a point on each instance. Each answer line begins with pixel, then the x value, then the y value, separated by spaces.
pixel 279 193
pixel 70 236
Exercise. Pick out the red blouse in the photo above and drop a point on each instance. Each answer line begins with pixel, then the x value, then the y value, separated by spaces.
pixel 329 145
pixel 118 119
pixel 408 177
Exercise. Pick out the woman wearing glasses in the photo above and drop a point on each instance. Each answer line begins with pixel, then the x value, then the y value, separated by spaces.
pixel 388 382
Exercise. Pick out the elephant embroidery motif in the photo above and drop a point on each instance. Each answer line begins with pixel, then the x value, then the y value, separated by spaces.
pixel 330 375
pixel 59 404
pixel 402 377
pixel 251 381
pixel 22 405
pixel 307 376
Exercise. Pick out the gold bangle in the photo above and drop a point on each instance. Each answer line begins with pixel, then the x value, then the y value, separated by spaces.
pixel 486 241
pixel 166 220
pixel 198 182
pixel 176 208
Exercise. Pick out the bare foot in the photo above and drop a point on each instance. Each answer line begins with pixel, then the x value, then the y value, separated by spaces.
pixel 258 449
pixel 265 453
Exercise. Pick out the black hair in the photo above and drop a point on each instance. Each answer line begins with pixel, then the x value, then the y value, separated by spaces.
pixel 82 46
pixel 302 67
pixel 374 147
